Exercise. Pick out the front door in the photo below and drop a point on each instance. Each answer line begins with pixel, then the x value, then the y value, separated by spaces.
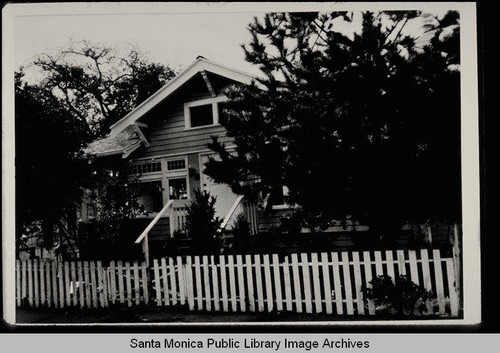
pixel 225 197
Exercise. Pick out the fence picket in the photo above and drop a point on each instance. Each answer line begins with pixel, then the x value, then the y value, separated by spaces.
pixel 258 283
pixel 368 278
pixel 439 280
pixel 199 291
pixel 379 267
pixel 121 287
pixel 189 283
pixel 413 267
pixel 164 276
pixel 54 283
pixel 287 284
pixel 137 285
pixel 241 282
pixel 251 296
pixel 347 283
pixel 206 280
pixel 296 283
pixel 182 285
pixel 173 284
pixel 18 283
pixel 60 279
pixel 401 263
pixel 24 281
pixel 87 283
pixel 112 281
pixel 327 290
pixel 389 261
pixel 73 280
pixel 215 283
pixel 93 283
pixel 42 282
pixel 223 282
pixel 145 282
pixel 128 283
pixel 30 282
pixel 105 287
pixel 232 284
pixel 48 282
pixel 100 285
pixel 358 284
pixel 269 284
pixel 156 272
pixel 277 282
pixel 35 283
pixel 452 287
pixel 306 282
pixel 316 285
pixel 81 294
pixel 67 282
pixel 336 283
pixel 424 256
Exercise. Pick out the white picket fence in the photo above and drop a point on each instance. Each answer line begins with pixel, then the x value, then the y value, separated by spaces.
pixel 81 283
pixel 312 283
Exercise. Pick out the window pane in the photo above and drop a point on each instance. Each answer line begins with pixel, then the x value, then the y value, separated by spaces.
pixel 178 189
pixel 201 115
pixel 150 196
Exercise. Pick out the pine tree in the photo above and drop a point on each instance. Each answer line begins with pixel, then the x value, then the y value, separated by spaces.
pixel 363 126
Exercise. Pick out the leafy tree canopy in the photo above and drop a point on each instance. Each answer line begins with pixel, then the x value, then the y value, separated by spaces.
pixel 85 88
pixel 363 125
pixel 100 84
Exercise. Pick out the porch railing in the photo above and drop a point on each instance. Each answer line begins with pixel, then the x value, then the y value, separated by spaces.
pixel 144 235
pixel 242 206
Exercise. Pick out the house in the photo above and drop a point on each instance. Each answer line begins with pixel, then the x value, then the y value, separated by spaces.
pixel 165 140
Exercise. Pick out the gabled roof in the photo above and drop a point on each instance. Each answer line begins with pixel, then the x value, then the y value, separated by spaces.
pixel 199 65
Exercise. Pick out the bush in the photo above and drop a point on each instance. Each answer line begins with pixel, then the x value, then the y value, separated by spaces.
pixel 402 298
pixel 202 224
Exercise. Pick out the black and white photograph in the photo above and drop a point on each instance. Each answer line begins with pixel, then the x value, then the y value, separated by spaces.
pixel 241 164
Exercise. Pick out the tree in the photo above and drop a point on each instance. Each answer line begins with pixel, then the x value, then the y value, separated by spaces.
pixel 85 89
pixel 101 84
pixel 48 167
pixel 202 224
pixel 363 126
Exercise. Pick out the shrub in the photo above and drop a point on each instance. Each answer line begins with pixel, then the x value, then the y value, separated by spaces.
pixel 202 224
pixel 402 298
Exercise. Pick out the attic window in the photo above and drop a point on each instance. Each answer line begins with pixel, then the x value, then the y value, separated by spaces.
pixel 202 113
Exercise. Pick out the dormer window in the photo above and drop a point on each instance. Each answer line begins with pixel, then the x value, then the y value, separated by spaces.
pixel 202 113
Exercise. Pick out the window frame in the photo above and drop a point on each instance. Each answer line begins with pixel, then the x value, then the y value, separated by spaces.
pixel 215 111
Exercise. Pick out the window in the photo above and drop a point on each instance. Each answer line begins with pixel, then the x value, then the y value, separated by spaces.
pixel 176 164
pixel 150 196
pixel 145 168
pixel 177 188
pixel 202 113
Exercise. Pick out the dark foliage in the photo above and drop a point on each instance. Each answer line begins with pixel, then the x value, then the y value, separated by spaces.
pixel 364 126
pixel 202 224
pixel 86 88
pixel 401 298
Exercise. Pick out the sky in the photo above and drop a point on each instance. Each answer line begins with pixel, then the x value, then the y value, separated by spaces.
pixel 175 39
pixel 173 34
